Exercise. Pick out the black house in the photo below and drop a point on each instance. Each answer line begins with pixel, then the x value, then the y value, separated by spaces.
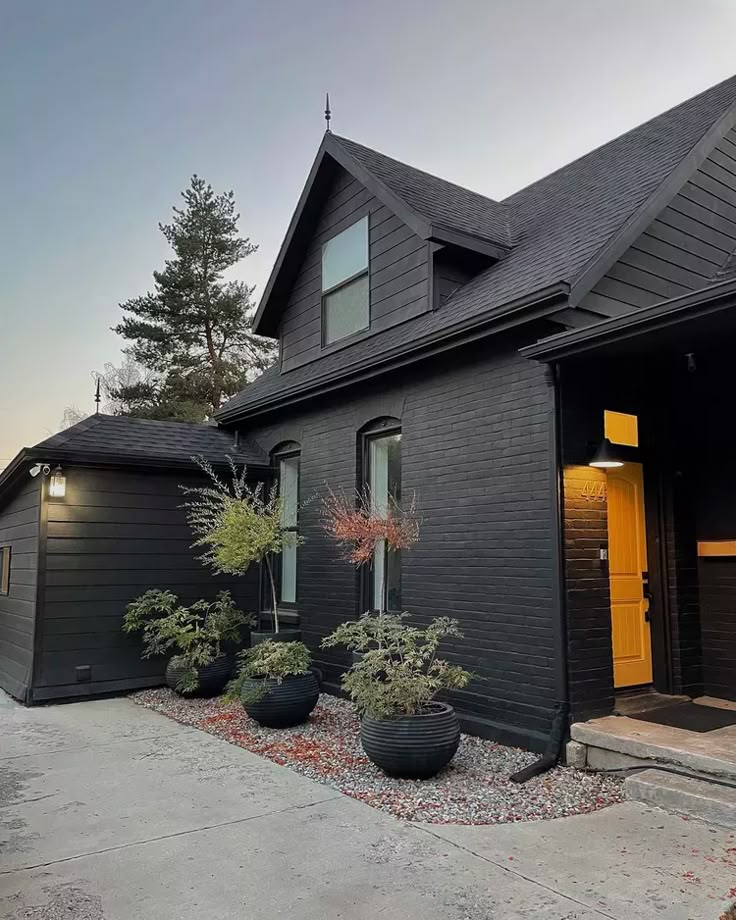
pixel 482 354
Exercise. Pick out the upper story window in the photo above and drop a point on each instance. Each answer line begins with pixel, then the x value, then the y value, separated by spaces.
pixel 4 570
pixel 345 283
pixel 288 476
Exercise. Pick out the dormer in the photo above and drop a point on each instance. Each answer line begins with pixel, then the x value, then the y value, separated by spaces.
pixel 372 243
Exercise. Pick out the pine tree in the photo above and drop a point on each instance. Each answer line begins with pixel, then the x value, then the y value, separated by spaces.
pixel 193 332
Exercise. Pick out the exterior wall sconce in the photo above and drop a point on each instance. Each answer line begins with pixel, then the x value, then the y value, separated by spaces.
pixel 57 483
pixel 605 458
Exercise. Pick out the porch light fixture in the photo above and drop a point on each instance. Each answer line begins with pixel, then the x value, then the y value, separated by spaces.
pixel 605 457
pixel 57 483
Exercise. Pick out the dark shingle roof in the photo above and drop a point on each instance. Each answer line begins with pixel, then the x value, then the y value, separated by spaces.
pixel 441 202
pixel 112 437
pixel 560 224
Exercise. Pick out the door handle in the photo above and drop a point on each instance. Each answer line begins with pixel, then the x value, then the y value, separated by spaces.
pixel 649 598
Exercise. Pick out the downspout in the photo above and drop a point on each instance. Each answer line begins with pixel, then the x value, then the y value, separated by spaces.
pixel 558 731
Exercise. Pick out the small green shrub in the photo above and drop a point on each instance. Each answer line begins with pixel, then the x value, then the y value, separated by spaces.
pixel 265 662
pixel 238 525
pixel 196 633
pixel 399 673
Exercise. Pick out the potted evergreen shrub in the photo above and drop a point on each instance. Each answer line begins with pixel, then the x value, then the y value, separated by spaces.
pixel 203 638
pixel 404 730
pixel 275 683
pixel 240 525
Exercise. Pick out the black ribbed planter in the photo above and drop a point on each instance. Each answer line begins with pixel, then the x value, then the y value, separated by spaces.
pixel 212 677
pixel 284 704
pixel 412 747
pixel 283 635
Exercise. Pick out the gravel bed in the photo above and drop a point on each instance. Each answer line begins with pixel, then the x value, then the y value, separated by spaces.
pixel 474 789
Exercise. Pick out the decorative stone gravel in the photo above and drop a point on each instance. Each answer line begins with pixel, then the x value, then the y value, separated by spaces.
pixel 474 789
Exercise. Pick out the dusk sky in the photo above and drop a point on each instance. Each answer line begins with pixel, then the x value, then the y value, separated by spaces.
pixel 108 108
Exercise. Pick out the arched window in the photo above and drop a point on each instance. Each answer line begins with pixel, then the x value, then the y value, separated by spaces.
pixel 286 460
pixel 382 478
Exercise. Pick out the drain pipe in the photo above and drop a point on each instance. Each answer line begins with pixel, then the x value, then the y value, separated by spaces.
pixel 558 731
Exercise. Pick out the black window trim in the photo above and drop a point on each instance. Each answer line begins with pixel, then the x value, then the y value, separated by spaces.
pixel 276 457
pixel 380 428
pixel 6 551
pixel 336 287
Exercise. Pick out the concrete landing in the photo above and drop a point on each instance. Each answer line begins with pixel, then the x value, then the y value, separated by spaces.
pixel 618 742
pixel 684 795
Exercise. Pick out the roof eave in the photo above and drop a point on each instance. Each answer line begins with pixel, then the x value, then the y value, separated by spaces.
pixel 639 322
pixel 540 304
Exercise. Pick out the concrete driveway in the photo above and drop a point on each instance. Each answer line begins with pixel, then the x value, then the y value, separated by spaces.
pixel 111 812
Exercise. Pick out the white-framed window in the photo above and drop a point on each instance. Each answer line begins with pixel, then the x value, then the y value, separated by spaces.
pixel 345 283
pixel 4 570
pixel 288 473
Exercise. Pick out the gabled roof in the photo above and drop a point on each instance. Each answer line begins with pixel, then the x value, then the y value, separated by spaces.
pixel 567 229
pixel 433 208
pixel 121 438
pixel 113 440
pixel 442 203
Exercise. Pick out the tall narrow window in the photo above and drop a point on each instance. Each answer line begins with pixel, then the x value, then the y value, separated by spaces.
pixel 384 482
pixel 345 283
pixel 289 491
pixel 4 570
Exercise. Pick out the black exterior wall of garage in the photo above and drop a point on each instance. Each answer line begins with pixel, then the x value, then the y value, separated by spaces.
pixel 115 534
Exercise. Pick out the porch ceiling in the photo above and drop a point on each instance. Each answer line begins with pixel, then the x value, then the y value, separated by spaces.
pixel 684 324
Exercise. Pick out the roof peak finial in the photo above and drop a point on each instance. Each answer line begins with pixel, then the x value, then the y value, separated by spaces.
pixel 328 113
pixel 97 396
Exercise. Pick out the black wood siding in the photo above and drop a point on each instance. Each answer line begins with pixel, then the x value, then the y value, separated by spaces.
pixel 398 271
pixel 19 527
pixel 684 247
pixel 475 450
pixel 113 536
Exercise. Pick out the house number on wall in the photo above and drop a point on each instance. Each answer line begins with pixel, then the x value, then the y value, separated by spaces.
pixel 594 491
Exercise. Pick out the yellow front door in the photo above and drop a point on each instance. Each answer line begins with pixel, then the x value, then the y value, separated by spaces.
pixel 627 555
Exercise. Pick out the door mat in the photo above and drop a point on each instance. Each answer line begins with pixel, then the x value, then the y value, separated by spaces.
pixel 690 716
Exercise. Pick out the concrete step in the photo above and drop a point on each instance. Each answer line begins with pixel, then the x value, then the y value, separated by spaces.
pixel 620 742
pixel 684 795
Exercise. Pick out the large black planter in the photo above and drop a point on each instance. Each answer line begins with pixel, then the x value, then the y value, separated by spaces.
pixel 284 704
pixel 283 635
pixel 212 677
pixel 413 747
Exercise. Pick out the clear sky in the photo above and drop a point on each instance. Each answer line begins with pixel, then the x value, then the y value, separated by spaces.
pixel 107 108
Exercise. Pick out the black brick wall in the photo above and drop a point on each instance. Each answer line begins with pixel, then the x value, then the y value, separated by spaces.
pixel 590 662
pixel 475 450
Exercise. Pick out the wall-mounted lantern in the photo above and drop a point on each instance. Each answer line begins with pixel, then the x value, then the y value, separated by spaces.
pixel 57 483
pixel 606 458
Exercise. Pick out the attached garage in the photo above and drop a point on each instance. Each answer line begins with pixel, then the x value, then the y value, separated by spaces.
pixel 75 550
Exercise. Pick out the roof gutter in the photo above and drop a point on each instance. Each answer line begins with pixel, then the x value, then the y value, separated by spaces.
pixel 538 305
pixel 713 299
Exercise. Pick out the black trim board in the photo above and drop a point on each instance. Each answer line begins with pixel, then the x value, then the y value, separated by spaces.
pixel 705 302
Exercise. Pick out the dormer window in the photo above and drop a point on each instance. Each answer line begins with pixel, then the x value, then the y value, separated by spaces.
pixel 345 283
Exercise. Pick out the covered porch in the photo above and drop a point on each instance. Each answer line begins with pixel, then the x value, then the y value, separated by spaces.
pixel 649 530
pixel 646 442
